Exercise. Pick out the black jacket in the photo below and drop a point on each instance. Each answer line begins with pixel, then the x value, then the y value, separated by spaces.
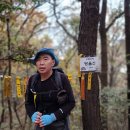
pixel 46 100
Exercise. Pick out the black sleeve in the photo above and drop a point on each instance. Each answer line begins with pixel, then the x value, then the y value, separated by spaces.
pixel 29 100
pixel 65 109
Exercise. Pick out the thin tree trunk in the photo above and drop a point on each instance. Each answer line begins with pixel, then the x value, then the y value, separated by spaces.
pixel 104 64
pixel 2 101
pixel 127 34
pixel 9 72
pixel 102 29
pixel 17 115
pixel 2 104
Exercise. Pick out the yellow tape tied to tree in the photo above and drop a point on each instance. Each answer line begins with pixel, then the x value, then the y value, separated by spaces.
pixel 69 77
pixel 18 86
pixel 7 86
pixel 89 80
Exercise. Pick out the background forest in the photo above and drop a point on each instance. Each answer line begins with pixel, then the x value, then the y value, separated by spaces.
pixel 27 26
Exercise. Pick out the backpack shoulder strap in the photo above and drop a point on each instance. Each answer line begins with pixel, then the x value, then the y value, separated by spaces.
pixel 32 87
pixel 58 79
pixel 34 81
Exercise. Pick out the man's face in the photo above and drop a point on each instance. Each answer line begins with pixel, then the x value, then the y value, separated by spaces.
pixel 44 63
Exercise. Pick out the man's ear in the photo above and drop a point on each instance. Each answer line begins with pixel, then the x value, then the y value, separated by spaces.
pixel 53 63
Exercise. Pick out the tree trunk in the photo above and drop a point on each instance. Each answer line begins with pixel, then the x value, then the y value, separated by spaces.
pixel 104 64
pixel 87 46
pixel 127 34
pixel 9 72
pixel 102 29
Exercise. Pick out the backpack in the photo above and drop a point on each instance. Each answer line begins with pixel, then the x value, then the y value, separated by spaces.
pixel 61 95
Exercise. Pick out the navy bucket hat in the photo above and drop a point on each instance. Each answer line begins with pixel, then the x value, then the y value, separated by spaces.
pixel 48 51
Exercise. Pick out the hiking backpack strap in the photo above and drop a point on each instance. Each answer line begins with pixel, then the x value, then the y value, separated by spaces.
pixel 32 89
pixel 34 82
pixel 58 80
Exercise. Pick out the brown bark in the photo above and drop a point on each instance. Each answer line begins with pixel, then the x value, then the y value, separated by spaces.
pixel 9 73
pixel 104 62
pixel 87 46
pixel 127 34
pixel 102 29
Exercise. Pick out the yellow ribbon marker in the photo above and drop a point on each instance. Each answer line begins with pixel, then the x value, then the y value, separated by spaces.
pixel 89 80
pixel 7 86
pixel 82 92
pixel 69 77
pixel 18 86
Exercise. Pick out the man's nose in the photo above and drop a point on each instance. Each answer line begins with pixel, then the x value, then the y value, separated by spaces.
pixel 42 62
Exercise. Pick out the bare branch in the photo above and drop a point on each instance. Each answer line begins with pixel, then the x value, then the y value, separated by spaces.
pixel 61 25
pixel 25 21
pixel 113 21
pixel 74 50
pixel 32 33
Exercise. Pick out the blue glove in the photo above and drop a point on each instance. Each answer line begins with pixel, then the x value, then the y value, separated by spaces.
pixel 47 119
pixel 34 117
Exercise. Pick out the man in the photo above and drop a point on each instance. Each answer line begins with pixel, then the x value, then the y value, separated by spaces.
pixel 48 111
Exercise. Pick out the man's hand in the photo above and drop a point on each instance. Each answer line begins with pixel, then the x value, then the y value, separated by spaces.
pixel 47 119
pixel 36 117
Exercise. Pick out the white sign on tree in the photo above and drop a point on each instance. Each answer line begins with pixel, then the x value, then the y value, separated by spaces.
pixel 89 64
